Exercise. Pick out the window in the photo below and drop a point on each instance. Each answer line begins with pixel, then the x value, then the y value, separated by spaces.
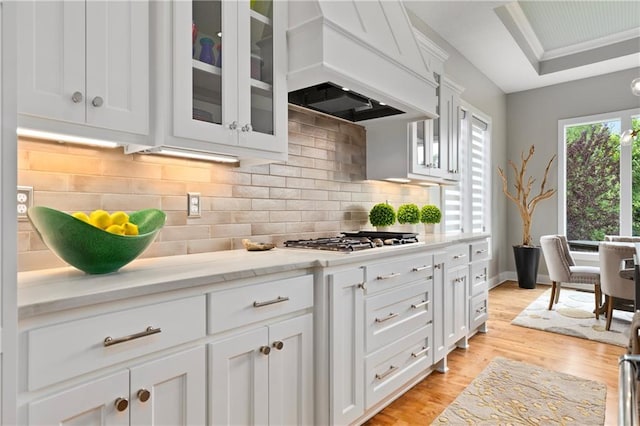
pixel 466 205
pixel 597 177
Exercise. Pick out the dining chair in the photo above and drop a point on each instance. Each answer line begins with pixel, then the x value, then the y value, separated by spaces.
pixel 563 269
pixel 612 255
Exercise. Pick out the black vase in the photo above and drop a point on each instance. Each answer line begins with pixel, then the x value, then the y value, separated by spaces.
pixel 527 260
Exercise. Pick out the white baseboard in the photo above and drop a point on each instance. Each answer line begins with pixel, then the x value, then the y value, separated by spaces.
pixel 542 279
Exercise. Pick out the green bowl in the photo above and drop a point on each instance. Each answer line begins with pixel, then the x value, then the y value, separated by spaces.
pixel 91 249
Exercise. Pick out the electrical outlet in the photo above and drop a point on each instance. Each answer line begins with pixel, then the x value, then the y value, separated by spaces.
pixel 24 201
pixel 193 204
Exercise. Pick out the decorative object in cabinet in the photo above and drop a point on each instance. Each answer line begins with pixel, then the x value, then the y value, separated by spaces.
pixel 84 70
pixel 224 102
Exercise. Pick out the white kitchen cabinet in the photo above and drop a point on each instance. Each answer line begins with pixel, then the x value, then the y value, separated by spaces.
pixel 455 306
pixel 263 376
pixel 170 390
pixel 424 150
pixel 478 286
pixel 84 67
pixel 220 78
pixel 439 331
pixel 347 345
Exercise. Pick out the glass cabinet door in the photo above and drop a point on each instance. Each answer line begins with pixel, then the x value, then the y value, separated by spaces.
pixel 262 74
pixel 206 51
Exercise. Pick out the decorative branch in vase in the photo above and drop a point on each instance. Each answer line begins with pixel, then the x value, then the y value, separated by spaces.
pixel 527 255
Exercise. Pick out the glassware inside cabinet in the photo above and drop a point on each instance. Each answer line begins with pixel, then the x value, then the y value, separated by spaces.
pixel 435 141
pixel 261 66
pixel 207 60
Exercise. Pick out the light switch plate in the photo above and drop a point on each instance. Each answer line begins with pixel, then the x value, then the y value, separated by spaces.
pixel 193 204
pixel 24 200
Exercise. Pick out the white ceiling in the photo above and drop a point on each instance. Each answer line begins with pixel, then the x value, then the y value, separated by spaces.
pixel 522 45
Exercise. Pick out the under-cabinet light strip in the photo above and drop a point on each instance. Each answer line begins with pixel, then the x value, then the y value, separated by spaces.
pixel 195 155
pixel 60 137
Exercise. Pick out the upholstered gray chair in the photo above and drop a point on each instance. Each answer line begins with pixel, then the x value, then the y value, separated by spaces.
pixel 563 269
pixel 614 286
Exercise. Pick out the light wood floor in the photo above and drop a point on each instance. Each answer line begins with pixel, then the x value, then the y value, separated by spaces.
pixel 580 357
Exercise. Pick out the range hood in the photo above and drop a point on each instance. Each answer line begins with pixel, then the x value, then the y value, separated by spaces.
pixel 358 60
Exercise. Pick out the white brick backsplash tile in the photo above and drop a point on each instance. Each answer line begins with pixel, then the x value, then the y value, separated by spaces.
pixel 300 183
pixel 232 230
pixel 282 170
pixel 250 192
pixel 250 217
pixel 297 227
pixel 285 216
pixel 268 228
pixel 284 193
pixel 268 204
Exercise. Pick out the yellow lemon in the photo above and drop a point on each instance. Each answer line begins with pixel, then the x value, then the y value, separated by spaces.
pixel 100 219
pixel 119 218
pixel 130 229
pixel 81 215
pixel 116 229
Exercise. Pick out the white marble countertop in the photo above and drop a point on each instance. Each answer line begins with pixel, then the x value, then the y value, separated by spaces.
pixel 51 290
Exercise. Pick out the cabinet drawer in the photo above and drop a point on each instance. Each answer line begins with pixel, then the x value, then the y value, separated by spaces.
pixel 390 316
pixel 457 255
pixel 65 350
pixel 479 250
pixel 248 304
pixel 478 310
pixel 386 275
pixel 389 369
pixel 478 278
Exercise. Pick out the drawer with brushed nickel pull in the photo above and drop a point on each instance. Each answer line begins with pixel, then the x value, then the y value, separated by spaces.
pixel 245 305
pixel 392 366
pixel 479 251
pixel 457 255
pixel 65 350
pixel 390 316
pixel 387 275
pixel 478 310
pixel 478 278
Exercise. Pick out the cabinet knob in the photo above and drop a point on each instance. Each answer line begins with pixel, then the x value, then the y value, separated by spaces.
pixel 76 97
pixel 247 128
pixel 233 125
pixel 362 286
pixel 121 404
pixel 265 350
pixel 97 101
pixel 278 345
pixel 144 395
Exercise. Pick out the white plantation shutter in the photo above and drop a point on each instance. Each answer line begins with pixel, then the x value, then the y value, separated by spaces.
pixel 478 174
pixel 465 206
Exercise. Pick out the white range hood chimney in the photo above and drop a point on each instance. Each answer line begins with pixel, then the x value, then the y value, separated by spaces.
pixel 367 47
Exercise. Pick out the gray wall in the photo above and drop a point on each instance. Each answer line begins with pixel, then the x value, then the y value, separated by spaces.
pixel 484 95
pixel 533 119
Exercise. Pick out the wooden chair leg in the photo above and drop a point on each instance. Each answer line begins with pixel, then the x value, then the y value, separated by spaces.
pixel 598 293
pixel 553 295
pixel 609 312
pixel 558 292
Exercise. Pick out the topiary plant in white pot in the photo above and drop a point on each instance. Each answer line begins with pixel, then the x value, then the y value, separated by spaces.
pixel 382 215
pixel 430 215
pixel 409 215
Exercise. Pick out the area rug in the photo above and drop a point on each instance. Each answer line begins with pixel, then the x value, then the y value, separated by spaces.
pixel 573 316
pixel 509 392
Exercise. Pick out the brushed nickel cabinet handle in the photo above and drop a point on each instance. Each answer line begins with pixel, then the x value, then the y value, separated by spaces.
pixel 97 101
pixel 388 317
pixel 110 341
pixel 278 299
pixel 233 125
pixel 386 277
pixel 481 251
pixel 481 276
pixel 121 404
pixel 437 265
pixel 391 370
pixel 422 351
pixel 362 286
pixel 419 305
pixel 420 268
pixel 143 395
pixel 278 344
pixel 247 128
pixel 459 256
pixel 481 310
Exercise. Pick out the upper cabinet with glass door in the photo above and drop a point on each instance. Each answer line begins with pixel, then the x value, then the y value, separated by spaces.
pixel 229 76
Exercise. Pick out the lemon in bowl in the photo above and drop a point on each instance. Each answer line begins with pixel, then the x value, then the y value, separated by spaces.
pixel 86 245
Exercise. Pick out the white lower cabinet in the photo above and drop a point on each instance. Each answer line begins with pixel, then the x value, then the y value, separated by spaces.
pixel 263 376
pixel 346 354
pixel 455 306
pixel 170 390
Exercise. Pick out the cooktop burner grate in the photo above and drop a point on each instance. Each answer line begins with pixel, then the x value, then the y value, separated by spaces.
pixel 354 241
